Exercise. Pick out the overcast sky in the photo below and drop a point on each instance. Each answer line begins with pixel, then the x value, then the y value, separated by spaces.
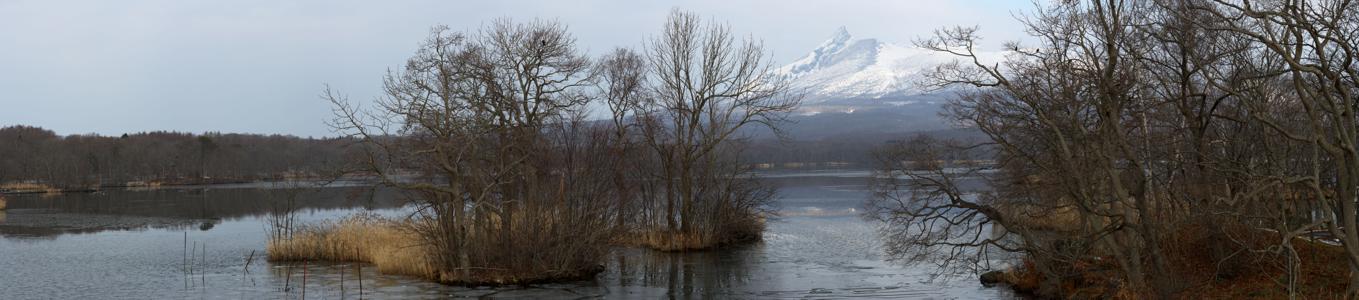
pixel 113 67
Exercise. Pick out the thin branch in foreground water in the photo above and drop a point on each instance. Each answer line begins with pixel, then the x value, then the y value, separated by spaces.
pixel 358 268
pixel 184 261
pixel 202 274
pixel 245 272
pixel 192 251
pixel 304 279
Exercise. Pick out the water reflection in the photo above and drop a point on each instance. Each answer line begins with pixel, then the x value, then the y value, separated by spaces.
pixel 631 273
pixel 827 252
pixel 702 274
pixel 176 209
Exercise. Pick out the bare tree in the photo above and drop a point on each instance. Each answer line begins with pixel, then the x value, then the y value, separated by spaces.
pixel 707 85
pixel 1135 131
pixel 485 130
pixel 1317 43
pixel 622 77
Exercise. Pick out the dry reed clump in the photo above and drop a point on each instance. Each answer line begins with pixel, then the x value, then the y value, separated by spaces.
pixel 536 246
pixel 3 203
pixel 735 231
pixel 667 241
pixel 385 243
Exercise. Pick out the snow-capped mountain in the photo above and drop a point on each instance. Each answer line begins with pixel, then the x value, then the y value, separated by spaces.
pixel 847 68
pixel 866 87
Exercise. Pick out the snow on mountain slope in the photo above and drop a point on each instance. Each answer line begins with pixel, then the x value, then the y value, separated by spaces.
pixel 845 68
pixel 865 87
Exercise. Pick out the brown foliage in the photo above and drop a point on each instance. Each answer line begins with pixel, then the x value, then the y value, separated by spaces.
pixel 1251 271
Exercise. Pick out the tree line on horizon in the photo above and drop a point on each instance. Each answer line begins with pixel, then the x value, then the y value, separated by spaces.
pixel 39 156
pixel 36 155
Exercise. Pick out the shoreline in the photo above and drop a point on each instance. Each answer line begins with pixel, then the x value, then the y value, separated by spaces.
pixel 189 184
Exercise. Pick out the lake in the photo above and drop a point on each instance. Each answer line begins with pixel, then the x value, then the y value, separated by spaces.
pixel 136 244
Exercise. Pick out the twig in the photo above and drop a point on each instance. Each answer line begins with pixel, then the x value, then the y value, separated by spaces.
pixel 358 267
pixel 246 270
pixel 184 261
pixel 287 278
pixel 341 280
pixel 193 251
pixel 304 279
pixel 202 273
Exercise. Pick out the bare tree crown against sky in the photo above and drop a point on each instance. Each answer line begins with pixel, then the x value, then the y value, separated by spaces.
pixel 254 66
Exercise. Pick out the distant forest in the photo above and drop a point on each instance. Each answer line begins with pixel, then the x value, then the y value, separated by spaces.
pixel 843 148
pixel 36 155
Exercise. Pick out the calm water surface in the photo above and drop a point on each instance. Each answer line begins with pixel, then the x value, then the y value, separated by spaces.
pixel 131 245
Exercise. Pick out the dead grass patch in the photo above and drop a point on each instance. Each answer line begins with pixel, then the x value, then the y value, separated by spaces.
pixel 398 247
pixel 384 243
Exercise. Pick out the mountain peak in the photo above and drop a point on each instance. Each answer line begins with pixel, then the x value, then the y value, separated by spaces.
pixel 841 35
pixel 836 42
pixel 845 67
pixel 823 55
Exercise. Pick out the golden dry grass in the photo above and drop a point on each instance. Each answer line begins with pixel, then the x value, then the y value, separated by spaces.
pixel 24 187
pixel 667 241
pixel 361 238
pixel 395 248
pixel 1028 216
pixel 143 184
pixel 3 203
